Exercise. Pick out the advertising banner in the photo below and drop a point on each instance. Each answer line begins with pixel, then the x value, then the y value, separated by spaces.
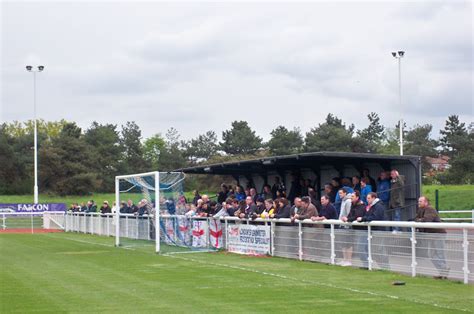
pixel 249 239
pixel 28 208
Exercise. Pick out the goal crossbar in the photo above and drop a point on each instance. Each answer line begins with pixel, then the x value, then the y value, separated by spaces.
pixel 156 189
pixel 136 175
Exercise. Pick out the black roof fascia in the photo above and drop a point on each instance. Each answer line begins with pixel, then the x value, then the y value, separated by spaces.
pixel 294 162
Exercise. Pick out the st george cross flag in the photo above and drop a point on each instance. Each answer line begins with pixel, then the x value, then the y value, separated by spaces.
pixel 184 231
pixel 215 229
pixel 200 233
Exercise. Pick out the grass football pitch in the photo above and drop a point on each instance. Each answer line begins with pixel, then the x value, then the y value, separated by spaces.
pixel 69 272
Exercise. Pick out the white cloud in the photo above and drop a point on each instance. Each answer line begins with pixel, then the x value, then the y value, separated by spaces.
pixel 199 66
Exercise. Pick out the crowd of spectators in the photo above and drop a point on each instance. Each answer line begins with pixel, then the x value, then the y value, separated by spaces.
pixel 143 207
pixel 355 199
pixel 302 200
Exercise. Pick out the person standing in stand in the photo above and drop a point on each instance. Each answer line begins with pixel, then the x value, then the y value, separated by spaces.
pixel 397 198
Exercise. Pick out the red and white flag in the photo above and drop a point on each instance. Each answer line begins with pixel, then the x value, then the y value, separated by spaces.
pixel 215 229
pixel 200 234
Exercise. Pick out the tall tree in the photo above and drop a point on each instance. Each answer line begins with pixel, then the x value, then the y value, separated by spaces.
pixel 285 142
pixel 373 133
pixel 153 147
pixel 172 156
pixel 204 146
pixel 105 150
pixel 132 155
pixel 462 167
pixel 19 136
pixel 453 136
pixel 67 165
pixel 22 145
pixel 390 143
pixel 240 139
pixel 333 136
pixel 47 129
pixel 8 166
pixel 418 142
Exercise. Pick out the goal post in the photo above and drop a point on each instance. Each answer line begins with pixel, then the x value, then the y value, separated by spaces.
pixel 156 215
pixel 157 212
pixel 140 199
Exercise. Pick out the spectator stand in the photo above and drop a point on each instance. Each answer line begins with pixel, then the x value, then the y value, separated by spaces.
pixel 320 168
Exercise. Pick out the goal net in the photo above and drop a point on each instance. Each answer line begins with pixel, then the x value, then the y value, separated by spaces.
pixel 151 211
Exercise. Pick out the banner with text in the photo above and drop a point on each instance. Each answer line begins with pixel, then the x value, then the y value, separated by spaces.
pixel 28 208
pixel 249 239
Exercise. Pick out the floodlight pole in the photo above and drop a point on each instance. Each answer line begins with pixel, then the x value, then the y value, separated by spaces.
pixel 40 68
pixel 399 55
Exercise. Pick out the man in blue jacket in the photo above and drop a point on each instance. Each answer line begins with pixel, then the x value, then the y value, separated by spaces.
pixel 375 212
pixel 327 211
pixel 383 187
pixel 366 188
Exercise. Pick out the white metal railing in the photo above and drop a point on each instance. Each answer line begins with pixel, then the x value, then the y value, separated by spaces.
pixel 29 220
pixel 93 223
pixel 14 220
pixel 411 251
pixel 470 212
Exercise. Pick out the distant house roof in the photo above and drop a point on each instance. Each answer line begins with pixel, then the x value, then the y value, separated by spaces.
pixel 440 163
pixel 441 160
pixel 298 161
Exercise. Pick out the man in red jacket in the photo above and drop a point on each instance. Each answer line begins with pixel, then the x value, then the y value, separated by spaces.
pixel 435 244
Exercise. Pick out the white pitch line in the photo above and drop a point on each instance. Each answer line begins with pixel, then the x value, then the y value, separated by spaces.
pixel 289 278
pixel 87 242
pixel 319 283
pixel 185 252
pixel 101 244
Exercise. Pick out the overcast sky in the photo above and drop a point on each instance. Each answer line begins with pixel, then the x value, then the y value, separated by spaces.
pixel 199 66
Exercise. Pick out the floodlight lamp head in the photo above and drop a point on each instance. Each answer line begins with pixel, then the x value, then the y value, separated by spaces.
pixel 394 54
pixel 29 68
pixel 401 53
pixel 41 68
